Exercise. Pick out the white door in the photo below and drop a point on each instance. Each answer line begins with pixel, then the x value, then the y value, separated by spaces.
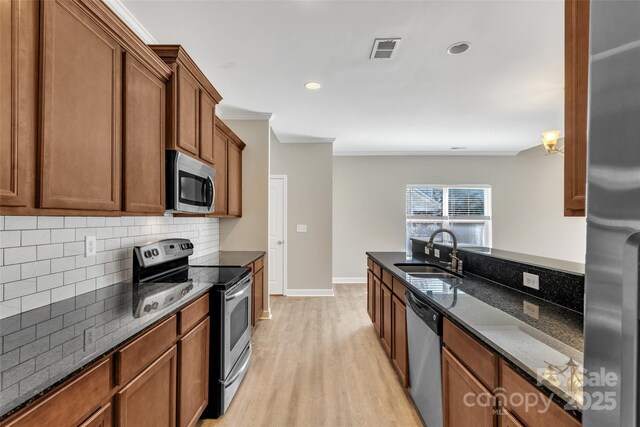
pixel 277 234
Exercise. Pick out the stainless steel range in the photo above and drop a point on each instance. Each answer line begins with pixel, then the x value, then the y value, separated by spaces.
pixel 162 276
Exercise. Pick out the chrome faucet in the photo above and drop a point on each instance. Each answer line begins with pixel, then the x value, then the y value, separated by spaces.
pixel 456 263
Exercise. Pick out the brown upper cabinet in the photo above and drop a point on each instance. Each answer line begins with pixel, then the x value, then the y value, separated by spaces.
pixel 227 160
pixel 95 106
pixel 576 68
pixel 191 103
pixel 19 36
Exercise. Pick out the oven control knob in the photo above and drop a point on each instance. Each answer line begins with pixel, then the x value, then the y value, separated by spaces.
pixel 184 291
pixel 147 308
pixel 155 252
pixel 147 254
pixel 154 305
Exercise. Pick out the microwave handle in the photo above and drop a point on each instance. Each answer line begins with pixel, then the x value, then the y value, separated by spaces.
pixel 209 191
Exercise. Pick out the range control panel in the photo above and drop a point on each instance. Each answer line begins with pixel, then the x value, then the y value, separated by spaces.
pixel 163 251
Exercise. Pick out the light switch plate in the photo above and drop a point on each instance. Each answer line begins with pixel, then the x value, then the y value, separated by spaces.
pixel 90 339
pixel 301 228
pixel 90 246
pixel 530 280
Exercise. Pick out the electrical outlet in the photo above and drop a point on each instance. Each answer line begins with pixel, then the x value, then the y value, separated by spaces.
pixel 89 339
pixel 90 246
pixel 531 309
pixel 530 280
pixel 436 252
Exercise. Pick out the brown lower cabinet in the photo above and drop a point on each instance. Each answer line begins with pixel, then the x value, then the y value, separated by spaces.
pixel 388 312
pixel 149 400
pixel 257 291
pixel 160 379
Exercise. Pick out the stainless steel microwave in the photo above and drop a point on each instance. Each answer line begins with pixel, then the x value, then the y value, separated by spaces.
pixel 189 184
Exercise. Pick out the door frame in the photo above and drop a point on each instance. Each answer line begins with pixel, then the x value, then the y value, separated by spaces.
pixel 284 179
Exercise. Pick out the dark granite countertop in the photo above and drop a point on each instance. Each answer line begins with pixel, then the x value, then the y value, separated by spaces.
pixel 495 315
pixel 41 348
pixel 535 260
pixel 227 258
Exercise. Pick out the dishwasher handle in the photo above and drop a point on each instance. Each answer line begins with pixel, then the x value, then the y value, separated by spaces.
pixel 429 316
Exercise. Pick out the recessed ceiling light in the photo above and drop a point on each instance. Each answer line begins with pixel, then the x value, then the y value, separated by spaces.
pixel 458 48
pixel 312 85
pixel 458 148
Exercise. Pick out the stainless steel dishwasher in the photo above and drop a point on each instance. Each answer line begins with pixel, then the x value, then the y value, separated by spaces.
pixel 424 329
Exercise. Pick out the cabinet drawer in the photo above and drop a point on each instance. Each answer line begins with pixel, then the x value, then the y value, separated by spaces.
pixel 258 265
pixel 101 418
pixel 482 362
pixel 134 357
pixel 387 278
pixel 399 290
pixel 369 263
pixel 191 314
pixel 72 402
pixel 555 416
pixel 377 270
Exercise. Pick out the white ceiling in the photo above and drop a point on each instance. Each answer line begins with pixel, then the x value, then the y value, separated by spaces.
pixel 495 99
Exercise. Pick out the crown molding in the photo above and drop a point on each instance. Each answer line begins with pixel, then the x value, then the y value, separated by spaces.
pixel 121 10
pixel 248 115
pixel 425 153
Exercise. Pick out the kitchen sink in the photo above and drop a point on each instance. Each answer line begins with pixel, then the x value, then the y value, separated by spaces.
pixel 425 270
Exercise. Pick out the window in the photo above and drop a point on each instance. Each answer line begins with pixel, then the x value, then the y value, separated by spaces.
pixel 465 210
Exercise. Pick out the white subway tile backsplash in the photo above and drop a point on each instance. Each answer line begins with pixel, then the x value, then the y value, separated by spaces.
pixel 75 222
pixel 42 258
pixel 49 281
pixel 10 273
pixel 50 251
pixel 35 269
pixel 19 288
pixel 36 300
pixel 50 222
pixel 20 222
pixel 63 264
pixel 62 236
pixel 9 239
pixel 36 237
pixel 19 255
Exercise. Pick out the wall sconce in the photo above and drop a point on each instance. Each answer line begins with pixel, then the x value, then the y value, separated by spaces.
pixel 550 140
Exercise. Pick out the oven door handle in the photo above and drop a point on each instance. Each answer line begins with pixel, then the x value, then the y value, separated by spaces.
pixel 243 366
pixel 239 293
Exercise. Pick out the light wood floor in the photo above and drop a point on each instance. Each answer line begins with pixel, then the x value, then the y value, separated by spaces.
pixel 318 362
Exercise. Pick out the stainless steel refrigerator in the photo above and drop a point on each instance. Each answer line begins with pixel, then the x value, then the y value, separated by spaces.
pixel 613 215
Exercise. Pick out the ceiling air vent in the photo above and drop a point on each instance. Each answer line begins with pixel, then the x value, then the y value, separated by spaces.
pixel 384 48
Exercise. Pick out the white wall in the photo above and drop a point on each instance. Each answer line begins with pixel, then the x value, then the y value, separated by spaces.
pixel 251 231
pixel 309 174
pixel 42 258
pixel 527 191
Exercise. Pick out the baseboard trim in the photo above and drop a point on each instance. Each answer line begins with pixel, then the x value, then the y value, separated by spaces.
pixel 309 292
pixel 349 280
pixel 266 315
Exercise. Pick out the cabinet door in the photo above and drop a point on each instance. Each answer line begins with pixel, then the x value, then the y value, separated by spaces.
pixel 387 329
pixel 370 295
pixel 101 418
pixel 81 111
pixel 18 101
pixel 220 165
pixel 258 284
pixel 377 316
pixel 235 180
pixel 399 349
pixel 144 145
pixel 207 115
pixel 188 111
pixel 466 402
pixel 149 400
pixel 193 374
pixel 576 70
pixel 508 420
